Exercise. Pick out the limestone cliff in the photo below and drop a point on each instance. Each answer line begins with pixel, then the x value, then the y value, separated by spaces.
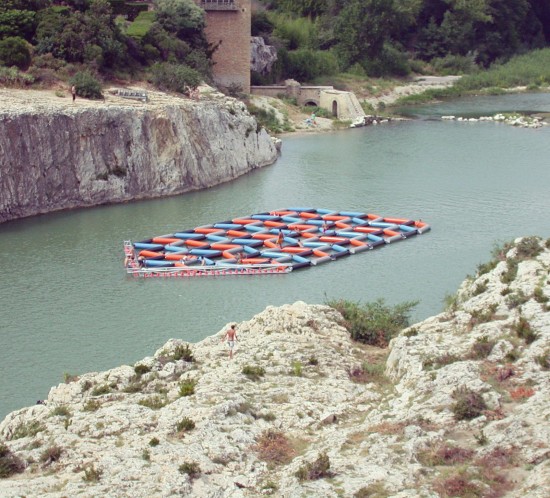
pixel 58 155
pixel 458 408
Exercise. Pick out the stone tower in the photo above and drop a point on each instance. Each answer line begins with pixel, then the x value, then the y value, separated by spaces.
pixel 228 22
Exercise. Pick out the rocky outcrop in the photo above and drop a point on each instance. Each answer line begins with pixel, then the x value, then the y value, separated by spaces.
pixel 262 56
pixel 55 155
pixel 458 408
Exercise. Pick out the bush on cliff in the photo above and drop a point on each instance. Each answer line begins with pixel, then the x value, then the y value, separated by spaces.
pixel 9 463
pixel 373 323
pixel 175 77
pixel 87 85
pixel 14 51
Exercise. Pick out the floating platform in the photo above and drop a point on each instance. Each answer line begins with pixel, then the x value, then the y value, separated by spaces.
pixel 266 243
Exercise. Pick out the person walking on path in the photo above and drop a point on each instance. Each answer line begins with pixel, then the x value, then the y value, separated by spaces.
pixel 73 92
pixel 231 336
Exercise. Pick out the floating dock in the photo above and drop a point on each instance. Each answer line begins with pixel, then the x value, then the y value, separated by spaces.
pixel 266 243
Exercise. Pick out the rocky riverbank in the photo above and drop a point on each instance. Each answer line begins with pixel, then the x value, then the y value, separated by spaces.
pixel 57 154
pixel 458 406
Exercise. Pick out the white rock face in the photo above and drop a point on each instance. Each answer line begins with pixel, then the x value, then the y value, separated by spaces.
pixel 262 56
pixel 116 433
pixel 55 155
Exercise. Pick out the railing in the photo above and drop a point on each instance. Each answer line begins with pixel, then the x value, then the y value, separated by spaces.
pixel 219 5
pixel 131 94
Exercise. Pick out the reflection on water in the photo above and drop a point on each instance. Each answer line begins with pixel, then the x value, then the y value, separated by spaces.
pixel 67 305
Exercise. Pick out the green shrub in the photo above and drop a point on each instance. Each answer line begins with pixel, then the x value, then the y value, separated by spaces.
pixel 267 118
pixel 373 323
pixel 61 411
pixel 483 315
pixel 524 331
pixel 175 77
pixel 468 404
pixel 11 76
pixel 480 288
pixel 528 248
pixel 185 425
pixel 183 352
pixel 390 61
pixel 307 64
pixel 451 302
pixel 28 429
pixel 521 70
pixel 14 51
pixel 154 402
pixel 87 85
pixel 67 377
pixel 92 474
pixel 154 442
pixel 313 361
pixel 253 373
pixel 440 361
pixel 539 295
pixel 141 369
pixel 482 348
pixel 315 470
pixel 516 299
pixel 296 369
pixel 511 271
pixel 544 360
pixel 92 405
pixel 187 387
pixel 134 387
pixel 483 268
pixel 192 469
pixel 141 25
pixel 294 32
pixel 9 462
pixel 100 390
pixel 453 64
pixel 51 455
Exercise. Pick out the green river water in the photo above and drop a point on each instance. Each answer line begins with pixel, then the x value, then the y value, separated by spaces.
pixel 67 305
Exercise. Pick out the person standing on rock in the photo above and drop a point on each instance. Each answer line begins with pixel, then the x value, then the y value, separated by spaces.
pixel 231 336
pixel 73 92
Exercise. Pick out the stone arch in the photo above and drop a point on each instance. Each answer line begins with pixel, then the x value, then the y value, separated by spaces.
pixel 335 108
pixel 311 103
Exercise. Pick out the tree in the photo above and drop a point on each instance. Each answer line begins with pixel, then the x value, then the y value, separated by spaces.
pixel 14 51
pixel 17 23
pixel 75 36
pixel 363 27
pixel 183 18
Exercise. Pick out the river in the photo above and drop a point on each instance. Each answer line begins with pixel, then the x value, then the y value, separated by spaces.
pixel 68 307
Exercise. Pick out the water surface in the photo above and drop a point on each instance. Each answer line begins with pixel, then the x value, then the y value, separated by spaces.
pixel 67 305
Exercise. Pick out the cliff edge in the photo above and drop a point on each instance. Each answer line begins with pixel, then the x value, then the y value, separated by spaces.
pixel 459 407
pixel 56 154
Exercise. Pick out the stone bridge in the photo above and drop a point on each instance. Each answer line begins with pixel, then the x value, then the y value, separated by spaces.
pixel 342 105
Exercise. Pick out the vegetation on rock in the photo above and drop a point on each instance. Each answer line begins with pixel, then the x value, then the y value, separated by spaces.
pixel 373 323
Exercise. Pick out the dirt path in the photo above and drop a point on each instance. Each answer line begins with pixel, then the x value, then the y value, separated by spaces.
pixel 419 85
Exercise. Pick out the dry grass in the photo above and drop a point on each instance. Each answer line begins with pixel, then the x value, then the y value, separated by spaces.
pixel 388 428
pixel 444 454
pixel 274 447
pixel 521 392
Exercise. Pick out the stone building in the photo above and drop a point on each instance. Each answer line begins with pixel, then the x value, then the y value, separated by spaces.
pixel 228 23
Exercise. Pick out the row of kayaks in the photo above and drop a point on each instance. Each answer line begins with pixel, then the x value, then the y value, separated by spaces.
pixel 270 242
